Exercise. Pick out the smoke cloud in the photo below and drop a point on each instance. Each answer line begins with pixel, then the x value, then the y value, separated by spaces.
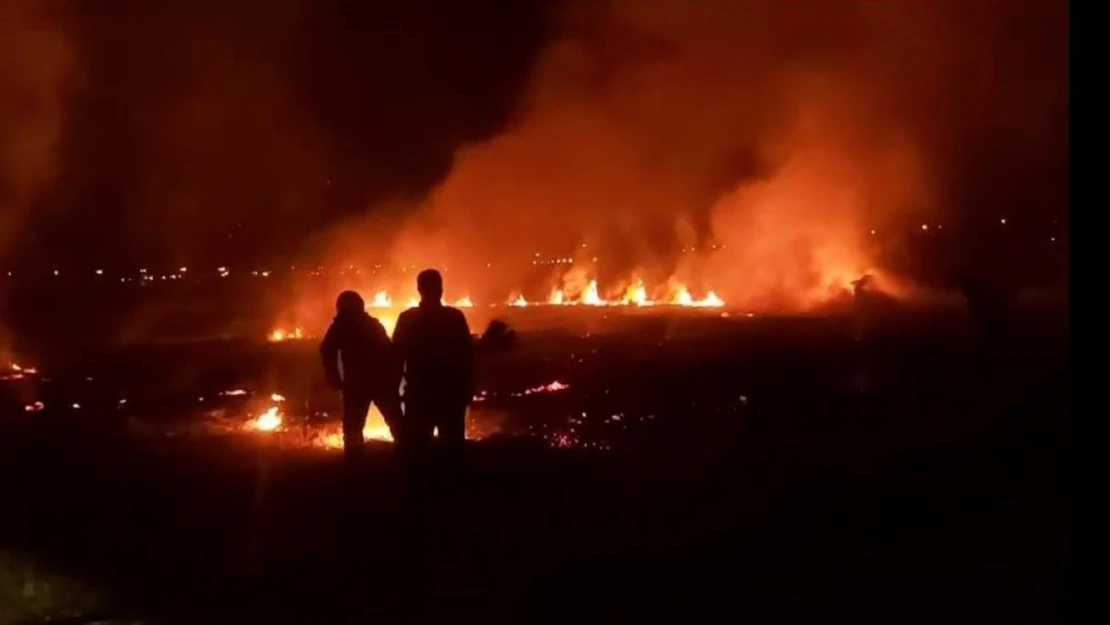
pixel 746 147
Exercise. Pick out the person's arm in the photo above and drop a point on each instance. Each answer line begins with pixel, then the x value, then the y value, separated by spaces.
pixel 329 353
pixel 400 343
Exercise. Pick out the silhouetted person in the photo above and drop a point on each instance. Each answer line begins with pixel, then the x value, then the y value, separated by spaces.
pixel 359 360
pixel 435 348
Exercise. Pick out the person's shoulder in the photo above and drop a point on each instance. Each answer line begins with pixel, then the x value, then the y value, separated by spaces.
pixel 407 316
pixel 454 313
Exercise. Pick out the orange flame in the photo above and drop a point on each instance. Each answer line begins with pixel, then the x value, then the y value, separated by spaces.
pixel 268 421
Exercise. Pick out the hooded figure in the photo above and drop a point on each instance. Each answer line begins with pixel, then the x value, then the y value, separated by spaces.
pixel 359 361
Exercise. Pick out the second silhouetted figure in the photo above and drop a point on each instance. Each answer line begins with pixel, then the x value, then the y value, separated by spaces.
pixel 435 348
pixel 359 360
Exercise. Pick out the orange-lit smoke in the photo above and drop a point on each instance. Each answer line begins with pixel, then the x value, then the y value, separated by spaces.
pixel 746 149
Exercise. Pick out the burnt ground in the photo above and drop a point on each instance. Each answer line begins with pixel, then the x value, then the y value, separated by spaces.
pixel 765 468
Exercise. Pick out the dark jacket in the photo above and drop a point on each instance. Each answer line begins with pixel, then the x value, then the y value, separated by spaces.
pixel 360 345
pixel 434 345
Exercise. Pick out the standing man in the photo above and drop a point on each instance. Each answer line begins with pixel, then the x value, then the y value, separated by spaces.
pixel 434 346
pixel 359 361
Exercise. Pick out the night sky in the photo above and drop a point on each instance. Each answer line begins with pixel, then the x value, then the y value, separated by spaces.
pixel 191 129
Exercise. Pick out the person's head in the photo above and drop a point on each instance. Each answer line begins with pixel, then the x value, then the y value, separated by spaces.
pixel 348 303
pixel 430 286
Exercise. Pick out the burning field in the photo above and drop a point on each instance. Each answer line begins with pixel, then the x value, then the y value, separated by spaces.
pixel 763 263
pixel 763 431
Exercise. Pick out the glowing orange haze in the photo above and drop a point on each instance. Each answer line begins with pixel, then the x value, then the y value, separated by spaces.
pixel 676 153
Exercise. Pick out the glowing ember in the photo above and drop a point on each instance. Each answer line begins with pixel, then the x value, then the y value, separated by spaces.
pixel 277 398
pixel 374 430
pixel 553 387
pixel 18 372
pixel 235 392
pixel 268 421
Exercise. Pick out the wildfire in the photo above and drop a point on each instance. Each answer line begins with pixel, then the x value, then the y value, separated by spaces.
pixel 381 300
pixel 633 293
pixel 590 296
pixel 553 387
pixel 683 297
pixel 711 301
pixel 636 294
pixel 18 372
pixel 268 421
pixel 374 430
pixel 279 335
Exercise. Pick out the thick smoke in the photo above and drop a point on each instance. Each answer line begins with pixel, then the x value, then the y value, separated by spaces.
pixel 748 147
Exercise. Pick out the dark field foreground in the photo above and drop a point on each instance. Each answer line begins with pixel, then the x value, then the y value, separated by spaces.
pixel 775 470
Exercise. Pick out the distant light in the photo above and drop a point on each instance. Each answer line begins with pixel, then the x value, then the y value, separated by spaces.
pixel 55 272
pixel 142 271
pixel 1053 239
pixel 99 272
pixel 221 269
pixel 183 269
pixel 924 226
pixel 76 406
pixel 1002 221
pixel 872 232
